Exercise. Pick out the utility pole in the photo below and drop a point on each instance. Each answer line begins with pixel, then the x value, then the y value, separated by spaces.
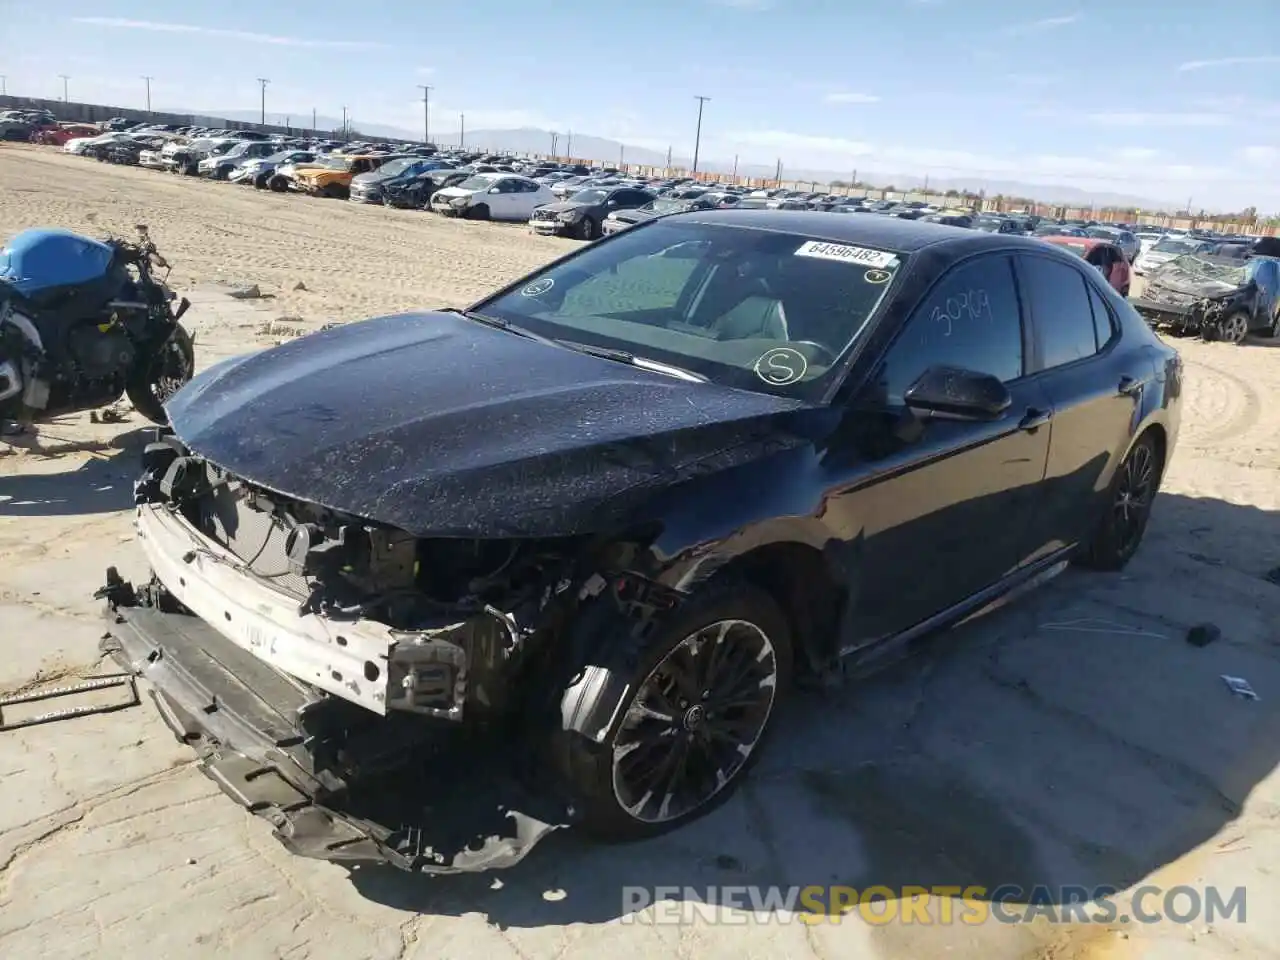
pixel 554 137
pixel 426 112
pixel 263 81
pixel 735 166
pixel 4 85
pixel 346 132
pixel 621 148
pixel 777 173
pixel 668 159
pixel 313 121
pixel 697 137
pixel 148 82
pixel 568 145
pixel 64 78
pixel 462 130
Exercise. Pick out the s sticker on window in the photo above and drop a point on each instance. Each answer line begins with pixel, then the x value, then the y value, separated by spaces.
pixel 859 256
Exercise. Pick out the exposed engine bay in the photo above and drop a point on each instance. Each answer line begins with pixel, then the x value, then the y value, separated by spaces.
pixel 462 609
pixel 310 655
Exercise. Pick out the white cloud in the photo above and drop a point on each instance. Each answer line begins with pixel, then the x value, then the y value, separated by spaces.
pixel 241 35
pixel 1140 119
pixel 425 71
pixel 851 98
pixel 826 147
pixel 1132 168
pixel 1225 62
pixel 1262 156
pixel 1136 154
pixel 1040 26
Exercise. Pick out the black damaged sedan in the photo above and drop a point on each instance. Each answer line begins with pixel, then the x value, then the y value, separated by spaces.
pixel 429 586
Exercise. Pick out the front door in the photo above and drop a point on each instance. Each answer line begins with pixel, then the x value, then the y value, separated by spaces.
pixel 941 507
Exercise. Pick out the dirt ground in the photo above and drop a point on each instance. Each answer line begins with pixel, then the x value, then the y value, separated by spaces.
pixel 1074 737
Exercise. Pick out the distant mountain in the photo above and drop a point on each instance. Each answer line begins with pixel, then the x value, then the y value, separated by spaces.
pixel 599 149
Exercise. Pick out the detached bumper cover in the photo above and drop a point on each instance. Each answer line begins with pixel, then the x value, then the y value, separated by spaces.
pixel 247 722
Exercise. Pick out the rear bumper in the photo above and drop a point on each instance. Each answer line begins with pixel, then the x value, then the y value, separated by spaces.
pixel 421 801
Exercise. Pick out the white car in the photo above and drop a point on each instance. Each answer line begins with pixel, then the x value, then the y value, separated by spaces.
pixel 1148 240
pixel 77 145
pixel 1166 249
pixel 492 196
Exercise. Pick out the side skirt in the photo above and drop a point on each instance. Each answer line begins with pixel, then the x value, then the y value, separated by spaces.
pixel 867 659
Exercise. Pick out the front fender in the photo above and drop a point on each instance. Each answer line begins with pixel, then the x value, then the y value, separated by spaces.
pixel 708 521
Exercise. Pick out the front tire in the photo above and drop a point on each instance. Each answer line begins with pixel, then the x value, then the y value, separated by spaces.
pixel 700 702
pixel 587 229
pixel 1130 498
pixel 169 370
pixel 1234 328
pixel 479 212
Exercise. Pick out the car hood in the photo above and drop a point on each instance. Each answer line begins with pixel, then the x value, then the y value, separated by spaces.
pixel 635 215
pixel 441 426
pixel 448 193
pixel 1194 287
pixel 564 206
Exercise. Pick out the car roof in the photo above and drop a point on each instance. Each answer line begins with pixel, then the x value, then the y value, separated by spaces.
pixel 902 236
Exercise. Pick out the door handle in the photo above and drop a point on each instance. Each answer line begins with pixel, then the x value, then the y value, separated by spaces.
pixel 1129 386
pixel 1034 419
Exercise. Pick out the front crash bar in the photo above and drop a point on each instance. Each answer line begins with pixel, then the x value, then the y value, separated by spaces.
pixel 243 719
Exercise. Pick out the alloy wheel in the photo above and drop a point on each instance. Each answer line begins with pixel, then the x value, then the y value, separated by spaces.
pixel 694 721
pixel 1235 328
pixel 1134 495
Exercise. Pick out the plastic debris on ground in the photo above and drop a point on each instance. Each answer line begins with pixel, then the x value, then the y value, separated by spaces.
pixel 1240 687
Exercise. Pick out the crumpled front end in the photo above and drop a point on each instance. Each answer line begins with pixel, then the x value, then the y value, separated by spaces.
pixel 357 687
pixel 1186 312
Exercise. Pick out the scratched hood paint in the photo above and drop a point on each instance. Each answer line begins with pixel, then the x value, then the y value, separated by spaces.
pixel 441 426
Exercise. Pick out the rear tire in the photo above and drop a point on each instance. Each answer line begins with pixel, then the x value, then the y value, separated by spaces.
pixel 709 680
pixel 169 371
pixel 1129 501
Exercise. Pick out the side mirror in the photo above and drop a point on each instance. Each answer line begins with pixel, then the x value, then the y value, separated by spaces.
pixel 956 394
pixel 494 190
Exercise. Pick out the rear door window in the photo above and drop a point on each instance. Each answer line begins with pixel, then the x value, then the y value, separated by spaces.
pixel 1058 298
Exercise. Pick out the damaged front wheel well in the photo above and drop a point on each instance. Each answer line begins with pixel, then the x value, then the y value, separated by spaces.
pixel 802 584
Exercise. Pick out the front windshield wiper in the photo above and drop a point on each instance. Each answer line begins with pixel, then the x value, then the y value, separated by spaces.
pixel 644 363
pixel 498 324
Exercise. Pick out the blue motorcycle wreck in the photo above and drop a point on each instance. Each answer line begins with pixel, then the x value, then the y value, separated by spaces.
pixel 84 322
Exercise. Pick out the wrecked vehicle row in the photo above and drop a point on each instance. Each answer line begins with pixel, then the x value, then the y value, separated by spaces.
pixel 412 614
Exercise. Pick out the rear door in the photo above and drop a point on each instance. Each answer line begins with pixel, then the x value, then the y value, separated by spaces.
pixel 1094 387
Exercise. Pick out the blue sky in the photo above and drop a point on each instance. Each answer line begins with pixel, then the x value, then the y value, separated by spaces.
pixel 1163 99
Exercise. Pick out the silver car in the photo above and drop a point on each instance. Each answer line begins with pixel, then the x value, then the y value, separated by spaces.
pixel 1126 241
